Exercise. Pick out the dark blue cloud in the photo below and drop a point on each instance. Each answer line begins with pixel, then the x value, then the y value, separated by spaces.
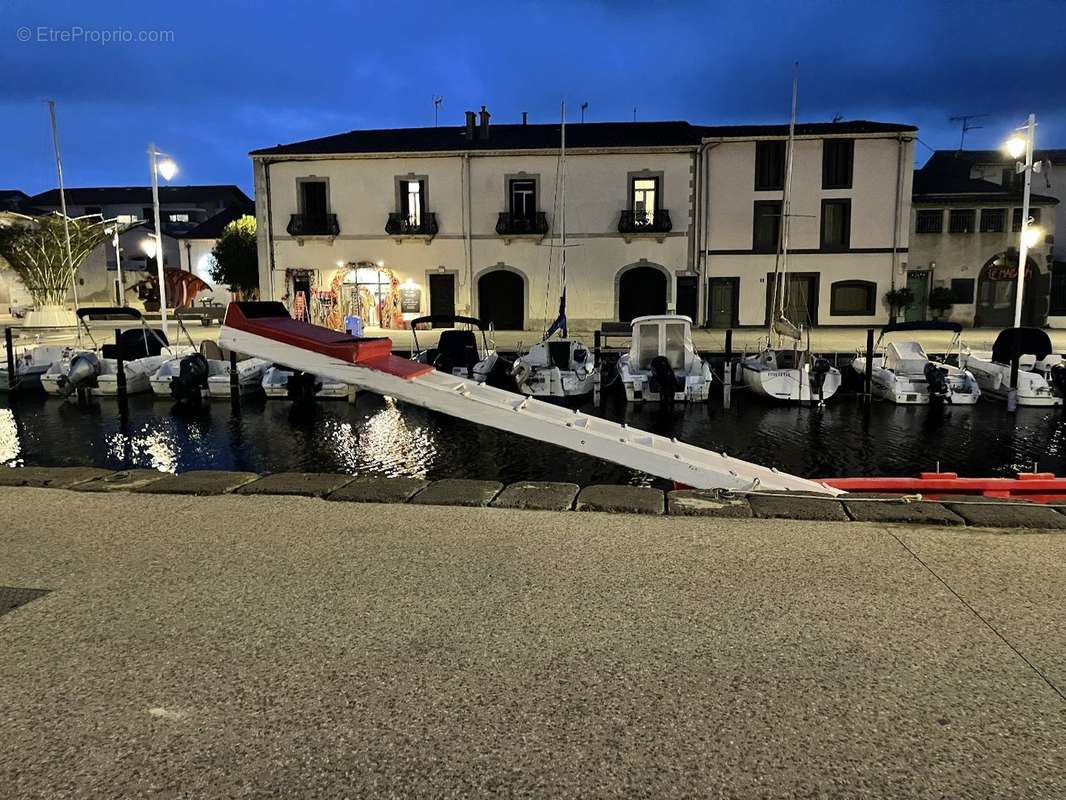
pixel 240 75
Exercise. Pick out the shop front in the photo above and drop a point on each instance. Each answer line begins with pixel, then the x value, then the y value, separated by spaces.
pixel 358 294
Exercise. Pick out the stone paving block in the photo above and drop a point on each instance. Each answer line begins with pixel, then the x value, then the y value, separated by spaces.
pixel 791 505
pixel 538 496
pixel 706 503
pixel 304 484
pixel 621 499
pixel 458 492
pixel 200 482
pixel 919 512
pixel 994 512
pixel 123 481
pixel 50 477
pixel 379 490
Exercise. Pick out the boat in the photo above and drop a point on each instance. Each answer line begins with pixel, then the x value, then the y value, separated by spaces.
pixel 904 374
pixel 459 350
pixel 95 370
pixel 557 367
pixel 30 363
pixel 206 373
pixel 1041 373
pixel 662 364
pixel 787 374
pixel 276 379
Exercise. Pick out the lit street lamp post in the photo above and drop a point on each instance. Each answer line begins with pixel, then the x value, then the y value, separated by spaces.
pixel 166 168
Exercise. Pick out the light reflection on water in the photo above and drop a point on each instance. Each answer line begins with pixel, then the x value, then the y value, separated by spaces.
pixel 382 437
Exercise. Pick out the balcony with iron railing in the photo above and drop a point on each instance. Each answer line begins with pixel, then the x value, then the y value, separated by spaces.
pixel 400 224
pixel 645 223
pixel 313 225
pixel 511 226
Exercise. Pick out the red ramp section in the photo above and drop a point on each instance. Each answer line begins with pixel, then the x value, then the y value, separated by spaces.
pixel 271 320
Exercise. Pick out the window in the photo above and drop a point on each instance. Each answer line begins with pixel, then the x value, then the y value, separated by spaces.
pixel 412 201
pixel 962 290
pixel 993 220
pixel 961 220
pixel 1034 215
pixel 929 220
pixel 645 198
pixel 522 198
pixel 838 156
pixel 836 224
pixel 853 298
pixel 1058 289
pixel 766 226
pixel 769 166
pixel 178 218
pixel 314 204
pixel 147 213
pixel 1011 178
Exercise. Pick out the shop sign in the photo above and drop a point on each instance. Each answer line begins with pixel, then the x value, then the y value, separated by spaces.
pixel 410 299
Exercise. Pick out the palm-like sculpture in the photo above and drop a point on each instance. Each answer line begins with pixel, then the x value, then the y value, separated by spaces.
pixel 35 249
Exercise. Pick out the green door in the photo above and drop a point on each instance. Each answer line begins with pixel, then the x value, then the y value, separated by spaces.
pixel 918 282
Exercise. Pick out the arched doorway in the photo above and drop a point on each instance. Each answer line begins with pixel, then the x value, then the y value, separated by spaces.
pixel 501 299
pixel 997 287
pixel 641 291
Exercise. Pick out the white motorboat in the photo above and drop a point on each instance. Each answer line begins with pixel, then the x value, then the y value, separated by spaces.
pixel 276 385
pixel 207 374
pixel 902 373
pixel 30 364
pixel 790 375
pixel 662 364
pixel 1041 373
pixel 95 370
pixel 459 350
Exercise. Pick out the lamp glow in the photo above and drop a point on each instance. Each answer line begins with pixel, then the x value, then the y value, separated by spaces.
pixel 1015 146
pixel 167 168
pixel 149 248
pixel 1033 235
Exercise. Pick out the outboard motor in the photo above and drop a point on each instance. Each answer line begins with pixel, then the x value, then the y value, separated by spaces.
pixel 190 383
pixel 302 387
pixel 936 379
pixel 819 369
pixel 663 379
pixel 1057 379
pixel 82 374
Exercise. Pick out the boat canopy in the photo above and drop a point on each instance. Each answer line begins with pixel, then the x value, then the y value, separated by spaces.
pixel 108 312
pixel 1013 342
pixel 447 319
pixel 922 325
pixel 667 335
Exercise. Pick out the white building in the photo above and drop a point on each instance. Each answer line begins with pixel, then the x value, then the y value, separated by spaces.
pixel 182 210
pixel 965 237
pixel 461 220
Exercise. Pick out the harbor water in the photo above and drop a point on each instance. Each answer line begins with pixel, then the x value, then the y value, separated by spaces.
pixel 377 436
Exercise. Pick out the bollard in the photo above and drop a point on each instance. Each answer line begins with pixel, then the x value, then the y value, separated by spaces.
pixel 120 371
pixel 234 384
pixel 1012 394
pixel 596 348
pixel 353 394
pixel 9 346
pixel 868 378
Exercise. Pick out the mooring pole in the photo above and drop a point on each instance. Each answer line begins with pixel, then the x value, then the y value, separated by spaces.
pixel 868 379
pixel 727 371
pixel 9 347
pixel 234 384
pixel 120 370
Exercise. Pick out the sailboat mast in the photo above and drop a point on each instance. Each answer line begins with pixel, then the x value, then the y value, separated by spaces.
pixel 781 256
pixel 562 214
pixel 63 203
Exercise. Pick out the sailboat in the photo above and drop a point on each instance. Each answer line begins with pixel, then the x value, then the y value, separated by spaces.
pixel 560 367
pixel 788 374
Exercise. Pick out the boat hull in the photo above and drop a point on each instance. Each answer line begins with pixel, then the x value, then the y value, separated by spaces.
pixel 788 385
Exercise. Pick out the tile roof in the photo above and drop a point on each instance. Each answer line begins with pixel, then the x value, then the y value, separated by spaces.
pixel 932 185
pixel 212 227
pixel 139 195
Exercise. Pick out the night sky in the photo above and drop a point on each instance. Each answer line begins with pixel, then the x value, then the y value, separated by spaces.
pixel 242 75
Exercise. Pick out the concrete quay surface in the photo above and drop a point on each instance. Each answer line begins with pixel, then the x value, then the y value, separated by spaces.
pixel 278 646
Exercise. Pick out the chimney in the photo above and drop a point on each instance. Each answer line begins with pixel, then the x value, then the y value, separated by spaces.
pixel 470 117
pixel 525 117
pixel 483 134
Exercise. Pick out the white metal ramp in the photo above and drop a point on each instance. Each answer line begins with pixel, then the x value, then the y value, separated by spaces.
pixel 466 399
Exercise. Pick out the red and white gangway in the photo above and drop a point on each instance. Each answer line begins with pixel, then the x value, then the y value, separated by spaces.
pixel 265 330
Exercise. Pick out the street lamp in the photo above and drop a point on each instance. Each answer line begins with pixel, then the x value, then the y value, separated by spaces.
pixel 166 168
pixel 1018 145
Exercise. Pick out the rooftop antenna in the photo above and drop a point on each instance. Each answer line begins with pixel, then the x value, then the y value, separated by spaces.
pixel 966 126
pixel 584 108
pixel 437 100
pixel 634 113
pixel 837 117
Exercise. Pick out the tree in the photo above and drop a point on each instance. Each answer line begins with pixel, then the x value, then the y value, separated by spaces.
pixel 236 257
pixel 899 300
pixel 35 249
pixel 941 301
